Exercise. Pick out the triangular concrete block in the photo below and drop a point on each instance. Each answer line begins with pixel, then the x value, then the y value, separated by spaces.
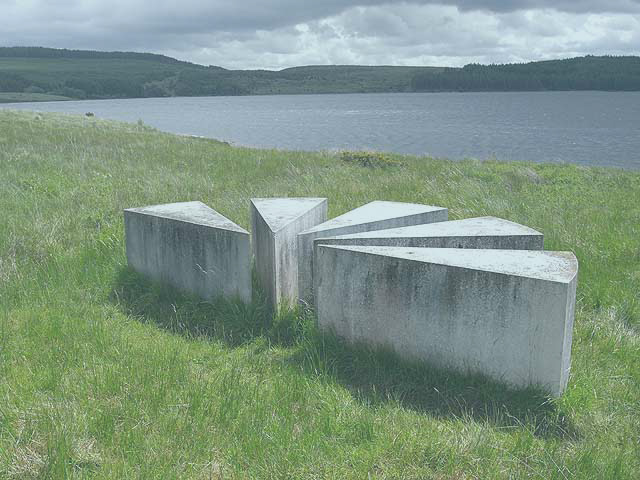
pixel 276 223
pixel 480 232
pixel 544 265
pixel 190 212
pixel 191 247
pixel 376 215
pixel 507 314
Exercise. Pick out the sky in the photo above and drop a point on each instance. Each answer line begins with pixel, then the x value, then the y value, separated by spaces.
pixel 275 34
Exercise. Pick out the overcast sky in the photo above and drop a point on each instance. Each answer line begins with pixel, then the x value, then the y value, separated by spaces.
pixel 275 34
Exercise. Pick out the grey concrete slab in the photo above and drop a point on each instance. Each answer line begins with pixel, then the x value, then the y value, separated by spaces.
pixel 507 314
pixel 191 247
pixel 375 215
pixel 480 232
pixel 276 223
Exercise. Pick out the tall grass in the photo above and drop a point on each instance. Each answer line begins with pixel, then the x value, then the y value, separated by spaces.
pixel 105 375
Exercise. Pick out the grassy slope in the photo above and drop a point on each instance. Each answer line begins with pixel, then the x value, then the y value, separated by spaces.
pixel 29 97
pixel 104 375
pixel 57 71
pixel 61 69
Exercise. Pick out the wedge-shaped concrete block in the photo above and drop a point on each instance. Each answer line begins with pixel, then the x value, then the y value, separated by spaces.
pixel 507 314
pixel 376 215
pixel 190 246
pixel 481 232
pixel 276 223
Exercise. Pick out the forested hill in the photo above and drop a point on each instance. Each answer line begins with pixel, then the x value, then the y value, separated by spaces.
pixel 582 73
pixel 36 73
pixel 89 74
pixel 42 52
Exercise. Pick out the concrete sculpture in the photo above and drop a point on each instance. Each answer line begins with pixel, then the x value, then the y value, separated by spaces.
pixel 190 246
pixel 507 314
pixel 276 223
pixel 477 295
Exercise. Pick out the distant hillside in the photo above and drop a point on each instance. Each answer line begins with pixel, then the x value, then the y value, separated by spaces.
pixel 83 74
pixel 582 73
pixel 36 73
pixel 42 52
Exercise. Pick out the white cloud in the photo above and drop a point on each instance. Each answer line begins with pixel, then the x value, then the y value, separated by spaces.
pixel 282 33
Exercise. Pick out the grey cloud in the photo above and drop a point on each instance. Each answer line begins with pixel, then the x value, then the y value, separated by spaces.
pixel 197 16
pixel 589 6
pixel 282 33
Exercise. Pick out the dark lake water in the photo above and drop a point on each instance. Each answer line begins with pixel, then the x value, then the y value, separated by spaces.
pixel 587 128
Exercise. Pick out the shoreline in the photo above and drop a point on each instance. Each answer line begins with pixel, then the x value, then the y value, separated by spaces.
pixel 268 123
pixel 302 94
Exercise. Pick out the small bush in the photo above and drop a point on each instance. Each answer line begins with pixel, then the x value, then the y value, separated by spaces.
pixel 369 159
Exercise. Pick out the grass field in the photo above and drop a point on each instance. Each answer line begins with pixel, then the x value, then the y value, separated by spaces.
pixel 13 97
pixel 103 375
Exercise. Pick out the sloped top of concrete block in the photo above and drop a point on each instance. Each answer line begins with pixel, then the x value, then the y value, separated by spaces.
pixel 280 212
pixel 560 267
pixel 191 212
pixel 468 227
pixel 374 212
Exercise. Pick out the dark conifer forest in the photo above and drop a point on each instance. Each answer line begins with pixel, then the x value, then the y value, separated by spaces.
pixel 84 74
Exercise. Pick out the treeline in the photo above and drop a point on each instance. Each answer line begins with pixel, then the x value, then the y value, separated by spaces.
pixel 183 83
pixel 43 52
pixel 583 73
pixel 83 74
pixel 10 82
pixel 79 88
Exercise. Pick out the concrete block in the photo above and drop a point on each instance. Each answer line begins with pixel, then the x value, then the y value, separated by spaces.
pixel 276 223
pixel 376 215
pixel 191 247
pixel 507 314
pixel 481 232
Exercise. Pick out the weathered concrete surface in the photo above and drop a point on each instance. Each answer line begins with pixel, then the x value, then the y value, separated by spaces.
pixel 372 216
pixel 507 314
pixel 190 246
pixel 276 223
pixel 480 232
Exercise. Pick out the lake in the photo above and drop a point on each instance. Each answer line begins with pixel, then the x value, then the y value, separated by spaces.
pixel 586 128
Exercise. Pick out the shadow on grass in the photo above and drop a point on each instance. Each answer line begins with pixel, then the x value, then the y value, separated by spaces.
pixel 230 321
pixel 373 376
pixel 378 377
